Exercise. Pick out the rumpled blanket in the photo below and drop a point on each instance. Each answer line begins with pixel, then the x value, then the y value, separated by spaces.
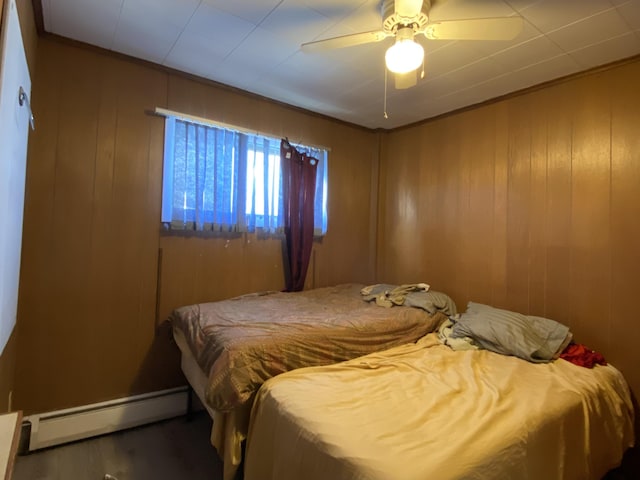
pixel 387 295
pixel 444 336
pixel 417 295
pixel 535 339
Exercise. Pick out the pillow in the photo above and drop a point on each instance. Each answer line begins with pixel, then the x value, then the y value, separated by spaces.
pixel 531 338
pixel 431 302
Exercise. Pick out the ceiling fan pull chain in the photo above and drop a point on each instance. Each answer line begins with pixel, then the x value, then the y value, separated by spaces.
pixel 385 94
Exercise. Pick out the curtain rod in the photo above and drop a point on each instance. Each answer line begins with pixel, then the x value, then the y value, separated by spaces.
pixel 163 112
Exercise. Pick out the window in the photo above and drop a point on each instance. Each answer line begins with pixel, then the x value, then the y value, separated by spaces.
pixel 222 180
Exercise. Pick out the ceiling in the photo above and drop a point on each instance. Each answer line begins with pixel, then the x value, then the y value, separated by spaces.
pixel 254 45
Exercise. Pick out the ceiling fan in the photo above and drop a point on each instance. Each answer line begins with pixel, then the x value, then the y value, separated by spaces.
pixel 406 19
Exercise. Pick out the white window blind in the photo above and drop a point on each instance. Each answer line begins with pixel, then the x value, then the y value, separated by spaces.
pixel 224 180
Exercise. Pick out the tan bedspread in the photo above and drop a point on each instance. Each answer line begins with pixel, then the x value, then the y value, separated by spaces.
pixel 423 411
pixel 242 342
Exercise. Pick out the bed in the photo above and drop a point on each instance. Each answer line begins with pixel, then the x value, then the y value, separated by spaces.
pixel 231 347
pixel 424 411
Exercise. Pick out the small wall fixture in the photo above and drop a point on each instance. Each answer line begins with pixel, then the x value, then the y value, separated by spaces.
pixel 23 100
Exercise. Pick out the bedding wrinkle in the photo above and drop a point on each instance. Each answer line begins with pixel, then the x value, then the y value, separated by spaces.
pixel 427 412
pixel 242 342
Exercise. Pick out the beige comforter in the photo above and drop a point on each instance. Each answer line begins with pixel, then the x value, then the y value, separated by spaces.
pixel 423 411
pixel 242 342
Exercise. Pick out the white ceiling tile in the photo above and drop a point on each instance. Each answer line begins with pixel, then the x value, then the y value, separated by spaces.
pixel 333 8
pixel 215 25
pixel 262 50
pixel 490 47
pixel 358 57
pixel 302 94
pixel 527 53
pixel 630 13
pixel 498 87
pixel 46 14
pixel 437 87
pixel 367 17
pixel 254 45
pixel 433 105
pixel 297 22
pixel 367 59
pixel 450 57
pixel 288 74
pixel 520 5
pixel 337 30
pixel 253 11
pixel 93 22
pixel 144 43
pixel 591 30
pixel 160 12
pixel 195 54
pixel 477 72
pixel 463 9
pixel 373 113
pixel 463 98
pixel 209 37
pixel 358 94
pixel 547 70
pixel 549 15
pixel 151 27
pixel 608 51
pixel 248 81
pixel 302 62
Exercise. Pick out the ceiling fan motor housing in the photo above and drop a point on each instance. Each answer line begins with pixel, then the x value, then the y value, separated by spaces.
pixel 391 21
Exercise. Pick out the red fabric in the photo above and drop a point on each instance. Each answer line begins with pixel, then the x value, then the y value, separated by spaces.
pixel 298 191
pixel 581 355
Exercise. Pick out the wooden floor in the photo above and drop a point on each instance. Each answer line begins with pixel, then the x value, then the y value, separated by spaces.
pixel 172 449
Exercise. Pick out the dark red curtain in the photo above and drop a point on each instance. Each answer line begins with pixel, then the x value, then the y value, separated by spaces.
pixel 298 190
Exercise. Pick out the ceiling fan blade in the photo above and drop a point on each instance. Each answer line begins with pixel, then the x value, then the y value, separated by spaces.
pixel 344 41
pixel 504 28
pixel 405 80
pixel 408 8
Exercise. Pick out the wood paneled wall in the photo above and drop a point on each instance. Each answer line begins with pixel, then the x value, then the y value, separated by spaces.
pixel 199 269
pixel 8 373
pixel 87 310
pixel 530 204
pixel 29 39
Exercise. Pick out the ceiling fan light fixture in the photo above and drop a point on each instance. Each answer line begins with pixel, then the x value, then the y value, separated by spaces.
pixel 405 55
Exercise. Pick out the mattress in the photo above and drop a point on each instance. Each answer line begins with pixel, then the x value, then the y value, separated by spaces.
pixel 241 342
pixel 229 348
pixel 424 411
pixel 229 429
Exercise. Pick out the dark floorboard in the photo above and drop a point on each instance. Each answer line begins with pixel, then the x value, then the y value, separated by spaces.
pixel 172 449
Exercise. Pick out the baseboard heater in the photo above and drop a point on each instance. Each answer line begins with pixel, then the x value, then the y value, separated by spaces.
pixel 62 426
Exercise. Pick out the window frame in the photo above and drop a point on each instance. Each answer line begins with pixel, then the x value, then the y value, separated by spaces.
pixel 240 226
